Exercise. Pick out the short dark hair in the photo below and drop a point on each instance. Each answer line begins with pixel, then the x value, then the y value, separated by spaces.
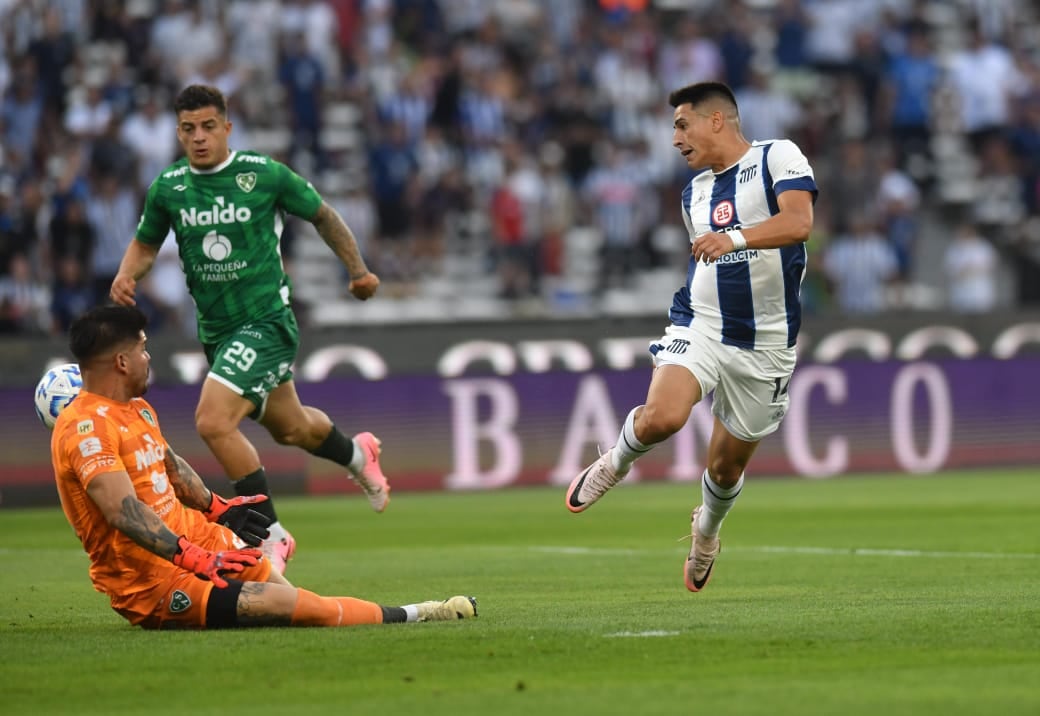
pixel 700 92
pixel 103 328
pixel 195 97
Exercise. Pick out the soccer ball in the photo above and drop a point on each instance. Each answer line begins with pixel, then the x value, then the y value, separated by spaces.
pixel 57 388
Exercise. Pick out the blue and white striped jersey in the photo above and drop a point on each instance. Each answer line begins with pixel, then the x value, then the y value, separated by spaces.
pixel 747 298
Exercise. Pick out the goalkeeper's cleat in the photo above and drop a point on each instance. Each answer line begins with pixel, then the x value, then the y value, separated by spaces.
pixel 370 478
pixel 703 551
pixel 593 483
pixel 279 547
pixel 448 610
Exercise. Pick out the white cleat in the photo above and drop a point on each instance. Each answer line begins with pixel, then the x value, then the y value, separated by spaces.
pixel 703 551
pixel 449 610
pixel 593 483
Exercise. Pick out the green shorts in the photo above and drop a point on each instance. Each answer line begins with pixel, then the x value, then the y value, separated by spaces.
pixel 256 358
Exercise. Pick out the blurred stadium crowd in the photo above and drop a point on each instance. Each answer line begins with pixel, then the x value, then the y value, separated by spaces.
pixel 512 157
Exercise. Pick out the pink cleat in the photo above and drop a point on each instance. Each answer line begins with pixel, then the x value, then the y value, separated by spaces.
pixel 593 483
pixel 279 547
pixel 370 478
pixel 703 551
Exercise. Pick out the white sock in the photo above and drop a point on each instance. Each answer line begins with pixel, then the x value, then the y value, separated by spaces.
pixel 357 461
pixel 276 531
pixel 717 501
pixel 411 613
pixel 628 448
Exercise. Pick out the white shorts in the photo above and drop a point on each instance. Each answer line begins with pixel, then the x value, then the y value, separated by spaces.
pixel 750 385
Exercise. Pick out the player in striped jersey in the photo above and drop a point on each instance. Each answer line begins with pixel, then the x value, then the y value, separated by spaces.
pixel 735 321
pixel 226 210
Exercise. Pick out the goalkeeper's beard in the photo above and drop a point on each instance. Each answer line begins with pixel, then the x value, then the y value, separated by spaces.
pixel 143 388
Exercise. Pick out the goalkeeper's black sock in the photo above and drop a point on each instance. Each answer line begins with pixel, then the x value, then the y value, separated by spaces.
pixel 255 483
pixel 394 615
pixel 336 447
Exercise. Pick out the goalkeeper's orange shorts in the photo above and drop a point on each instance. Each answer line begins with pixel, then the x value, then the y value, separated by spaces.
pixel 181 599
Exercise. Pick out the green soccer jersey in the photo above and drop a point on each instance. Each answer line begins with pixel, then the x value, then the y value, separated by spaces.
pixel 228 224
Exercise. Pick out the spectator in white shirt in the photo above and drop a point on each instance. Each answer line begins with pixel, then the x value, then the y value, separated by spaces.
pixel 764 112
pixel 151 132
pixel 860 264
pixel 971 265
pixel 89 113
pixel 986 79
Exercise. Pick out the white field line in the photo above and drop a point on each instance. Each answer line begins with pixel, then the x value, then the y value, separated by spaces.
pixel 641 634
pixel 823 551
pixel 623 552
pixel 605 551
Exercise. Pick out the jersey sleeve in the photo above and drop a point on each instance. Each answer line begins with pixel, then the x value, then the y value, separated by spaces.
pixel 155 220
pixel 684 209
pixel 296 195
pixel 790 169
pixel 90 448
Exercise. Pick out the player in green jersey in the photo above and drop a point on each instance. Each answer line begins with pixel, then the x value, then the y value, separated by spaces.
pixel 225 208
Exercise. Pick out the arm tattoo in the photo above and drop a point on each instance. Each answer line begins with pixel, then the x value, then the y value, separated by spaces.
pixel 335 232
pixel 187 485
pixel 140 523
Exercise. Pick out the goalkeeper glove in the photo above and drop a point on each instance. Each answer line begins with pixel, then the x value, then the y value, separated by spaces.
pixel 240 518
pixel 212 566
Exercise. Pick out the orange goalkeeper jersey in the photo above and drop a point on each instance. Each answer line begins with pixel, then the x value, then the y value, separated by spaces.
pixel 94 436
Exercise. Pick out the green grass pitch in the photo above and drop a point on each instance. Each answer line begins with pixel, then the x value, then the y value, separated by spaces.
pixel 857 595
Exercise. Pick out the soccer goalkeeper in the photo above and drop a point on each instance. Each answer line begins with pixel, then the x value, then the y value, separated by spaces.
pixel 168 552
